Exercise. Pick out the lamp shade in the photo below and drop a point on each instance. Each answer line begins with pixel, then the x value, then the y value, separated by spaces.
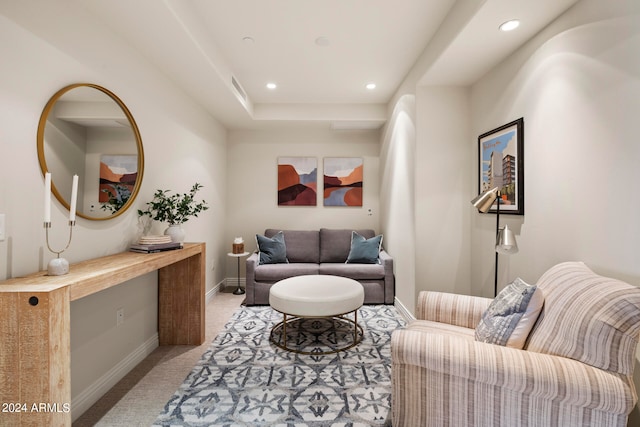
pixel 506 242
pixel 485 200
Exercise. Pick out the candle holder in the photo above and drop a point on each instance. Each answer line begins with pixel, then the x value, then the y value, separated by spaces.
pixel 58 266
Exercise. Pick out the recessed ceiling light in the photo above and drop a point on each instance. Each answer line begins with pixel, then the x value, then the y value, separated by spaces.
pixel 509 25
pixel 248 40
pixel 370 86
pixel 271 86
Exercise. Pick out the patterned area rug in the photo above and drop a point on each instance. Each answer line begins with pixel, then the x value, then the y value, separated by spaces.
pixel 245 380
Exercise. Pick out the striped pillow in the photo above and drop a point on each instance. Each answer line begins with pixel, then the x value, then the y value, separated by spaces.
pixel 511 315
pixel 587 317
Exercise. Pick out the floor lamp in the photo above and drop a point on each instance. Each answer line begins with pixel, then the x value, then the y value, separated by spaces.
pixel 505 239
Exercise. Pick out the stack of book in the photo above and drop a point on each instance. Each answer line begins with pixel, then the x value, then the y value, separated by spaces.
pixel 151 244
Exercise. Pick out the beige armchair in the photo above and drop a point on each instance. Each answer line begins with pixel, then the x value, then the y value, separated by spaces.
pixel 576 367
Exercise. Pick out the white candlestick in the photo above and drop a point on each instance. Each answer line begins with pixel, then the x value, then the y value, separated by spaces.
pixel 47 197
pixel 74 198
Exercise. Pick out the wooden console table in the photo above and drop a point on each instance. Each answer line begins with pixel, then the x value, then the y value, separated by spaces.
pixel 35 354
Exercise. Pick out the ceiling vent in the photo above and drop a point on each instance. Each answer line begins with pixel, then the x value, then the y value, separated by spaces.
pixel 239 91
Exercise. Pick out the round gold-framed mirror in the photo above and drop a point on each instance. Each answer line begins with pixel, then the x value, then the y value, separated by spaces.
pixel 86 130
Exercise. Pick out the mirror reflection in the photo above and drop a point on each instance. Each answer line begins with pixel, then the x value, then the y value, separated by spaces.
pixel 87 131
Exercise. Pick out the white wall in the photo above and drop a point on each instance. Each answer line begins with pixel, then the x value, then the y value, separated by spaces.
pixel 442 177
pixel 182 145
pixel 252 182
pixel 397 195
pixel 423 150
pixel 577 85
pixel 426 210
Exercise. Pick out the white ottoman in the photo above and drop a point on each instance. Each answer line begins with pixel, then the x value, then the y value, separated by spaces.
pixel 316 296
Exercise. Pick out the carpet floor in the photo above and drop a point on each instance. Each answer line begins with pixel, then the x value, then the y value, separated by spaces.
pixel 243 379
pixel 137 399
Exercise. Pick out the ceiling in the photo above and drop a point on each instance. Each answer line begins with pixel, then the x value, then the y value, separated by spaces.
pixel 321 54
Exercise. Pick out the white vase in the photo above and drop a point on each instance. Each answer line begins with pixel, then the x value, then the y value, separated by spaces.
pixel 176 232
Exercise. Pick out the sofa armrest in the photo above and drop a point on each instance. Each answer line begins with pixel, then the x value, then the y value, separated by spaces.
pixel 385 257
pixel 250 277
pixel 389 278
pixel 540 376
pixel 454 309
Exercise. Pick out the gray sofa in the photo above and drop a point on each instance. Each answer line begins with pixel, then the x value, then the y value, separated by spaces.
pixel 321 251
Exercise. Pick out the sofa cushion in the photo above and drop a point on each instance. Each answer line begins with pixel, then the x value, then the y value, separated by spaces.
pixel 302 245
pixel 511 315
pixel 363 250
pixel 275 272
pixel 335 244
pixel 272 250
pixel 588 317
pixel 353 271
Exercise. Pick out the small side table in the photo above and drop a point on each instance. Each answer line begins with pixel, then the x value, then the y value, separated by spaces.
pixel 239 290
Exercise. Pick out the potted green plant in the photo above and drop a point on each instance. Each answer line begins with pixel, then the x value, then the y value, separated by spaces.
pixel 174 209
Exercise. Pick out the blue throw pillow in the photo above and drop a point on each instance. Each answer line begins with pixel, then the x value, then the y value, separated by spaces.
pixel 364 251
pixel 511 315
pixel 272 250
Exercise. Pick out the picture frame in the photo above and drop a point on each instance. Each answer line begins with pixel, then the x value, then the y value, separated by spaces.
pixel 501 164
pixel 118 175
pixel 297 181
pixel 343 180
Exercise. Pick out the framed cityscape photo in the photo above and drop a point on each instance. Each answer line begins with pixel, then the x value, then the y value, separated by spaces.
pixel 501 164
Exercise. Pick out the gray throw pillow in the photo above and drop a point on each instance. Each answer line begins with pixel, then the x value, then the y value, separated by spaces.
pixel 272 250
pixel 511 315
pixel 364 251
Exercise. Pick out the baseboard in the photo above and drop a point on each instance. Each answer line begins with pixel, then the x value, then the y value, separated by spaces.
pixel 87 397
pixel 402 310
pixel 234 282
pixel 213 291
